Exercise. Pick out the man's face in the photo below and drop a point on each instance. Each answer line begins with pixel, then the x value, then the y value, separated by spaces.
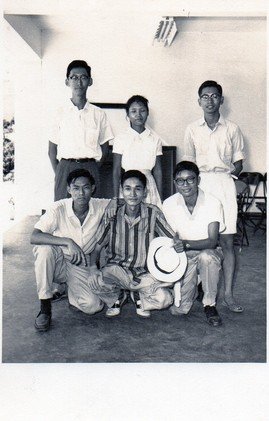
pixel 81 190
pixel 210 100
pixel 137 114
pixel 186 183
pixel 78 80
pixel 133 191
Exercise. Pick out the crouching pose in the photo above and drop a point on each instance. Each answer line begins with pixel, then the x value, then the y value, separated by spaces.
pixel 197 218
pixel 64 238
pixel 128 236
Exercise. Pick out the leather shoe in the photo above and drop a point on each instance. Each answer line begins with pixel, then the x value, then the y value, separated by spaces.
pixel 42 321
pixel 212 316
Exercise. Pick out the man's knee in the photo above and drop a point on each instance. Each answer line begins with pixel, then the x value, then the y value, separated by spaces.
pixel 209 257
pixel 164 297
pixel 89 305
pixel 44 252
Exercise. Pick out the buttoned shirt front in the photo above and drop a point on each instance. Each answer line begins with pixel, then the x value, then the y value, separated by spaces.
pixel 60 220
pixel 193 226
pixel 129 242
pixel 138 151
pixel 80 133
pixel 214 150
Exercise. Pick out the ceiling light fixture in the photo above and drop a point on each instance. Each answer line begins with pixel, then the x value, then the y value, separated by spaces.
pixel 166 31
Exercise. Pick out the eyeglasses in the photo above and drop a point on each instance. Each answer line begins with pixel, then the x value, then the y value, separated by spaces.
pixel 181 181
pixel 206 97
pixel 75 78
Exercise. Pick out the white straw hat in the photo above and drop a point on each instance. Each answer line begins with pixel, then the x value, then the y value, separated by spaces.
pixel 164 263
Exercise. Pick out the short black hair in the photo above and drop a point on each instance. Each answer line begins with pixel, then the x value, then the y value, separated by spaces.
pixel 78 63
pixel 186 166
pixel 134 174
pixel 80 172
pixel 208 84
pixel 136 98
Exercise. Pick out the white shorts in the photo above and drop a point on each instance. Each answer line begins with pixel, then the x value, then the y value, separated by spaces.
pixel 222 186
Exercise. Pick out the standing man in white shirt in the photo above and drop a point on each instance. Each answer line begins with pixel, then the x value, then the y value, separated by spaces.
pixel 216 145
pixel 197 218
pixel 80 136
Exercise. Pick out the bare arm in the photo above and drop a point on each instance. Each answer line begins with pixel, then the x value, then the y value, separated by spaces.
pixel 157 174
pixel 116 173
pixel 238 166
pixel 53 155
pixel 208 243
pixel 42 238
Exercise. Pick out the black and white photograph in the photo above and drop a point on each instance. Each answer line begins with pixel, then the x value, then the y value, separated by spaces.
pixel 134 210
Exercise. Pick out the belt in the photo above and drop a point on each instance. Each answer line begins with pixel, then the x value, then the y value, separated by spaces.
pixel 80 160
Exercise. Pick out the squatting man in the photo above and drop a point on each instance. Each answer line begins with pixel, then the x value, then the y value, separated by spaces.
pixel 69 237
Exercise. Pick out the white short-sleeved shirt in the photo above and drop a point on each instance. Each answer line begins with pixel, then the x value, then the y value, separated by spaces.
pixel 138 151
pixel 60 220
pixel 80 133
pixel 193 226
pixel 214 150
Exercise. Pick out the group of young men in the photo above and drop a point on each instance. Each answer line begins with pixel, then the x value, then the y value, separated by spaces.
pixel 69 238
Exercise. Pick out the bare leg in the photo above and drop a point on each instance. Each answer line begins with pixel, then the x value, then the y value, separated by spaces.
pixel 226 242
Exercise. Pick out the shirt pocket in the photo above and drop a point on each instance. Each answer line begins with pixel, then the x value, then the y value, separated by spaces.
pixel 91 135
pixel 225 151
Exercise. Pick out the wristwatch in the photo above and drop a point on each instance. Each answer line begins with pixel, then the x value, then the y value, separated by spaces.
pixel 187 246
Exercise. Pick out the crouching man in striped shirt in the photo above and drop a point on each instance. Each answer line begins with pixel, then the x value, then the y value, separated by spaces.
pixel 128 236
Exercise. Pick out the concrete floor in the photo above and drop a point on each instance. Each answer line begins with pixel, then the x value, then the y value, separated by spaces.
pixel 76 337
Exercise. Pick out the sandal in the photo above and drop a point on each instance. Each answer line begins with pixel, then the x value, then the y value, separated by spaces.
pixel 235 308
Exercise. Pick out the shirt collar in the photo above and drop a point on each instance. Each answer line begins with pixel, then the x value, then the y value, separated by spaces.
pixel 143 210
pixel 145 133
pixel 72 107
pixel 221 120
pixel 69 208
pixel 200 199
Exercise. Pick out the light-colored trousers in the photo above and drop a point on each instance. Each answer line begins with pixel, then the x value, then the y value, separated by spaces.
pixel 115 278
pixel 51 267
pixel 206 263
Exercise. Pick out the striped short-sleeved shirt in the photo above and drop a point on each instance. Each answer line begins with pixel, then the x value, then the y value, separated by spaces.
pixel 128 244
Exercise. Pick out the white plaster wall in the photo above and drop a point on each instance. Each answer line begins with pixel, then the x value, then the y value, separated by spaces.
pixel 24 69
pixel 125 62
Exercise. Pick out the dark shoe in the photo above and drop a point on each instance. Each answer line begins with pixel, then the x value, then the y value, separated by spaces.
pixel 212 316
pixel 57 296
pixel 42 321
pixel 116 308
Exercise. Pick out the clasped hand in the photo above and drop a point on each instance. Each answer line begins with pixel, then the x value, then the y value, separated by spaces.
pixel 77 255
pixel 178 244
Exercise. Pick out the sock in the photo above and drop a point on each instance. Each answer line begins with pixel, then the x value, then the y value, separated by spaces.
pixel 45 306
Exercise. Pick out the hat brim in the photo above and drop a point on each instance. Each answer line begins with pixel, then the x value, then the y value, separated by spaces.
pixel 158 273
